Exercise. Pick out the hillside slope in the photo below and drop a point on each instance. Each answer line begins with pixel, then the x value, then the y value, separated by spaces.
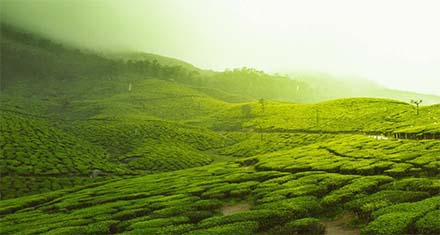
pixel 328 87
pixel 38 157
pixel 285 187
pixel 138 147
pixel 140 56
pixel 356 115
pixel 66 113
pixel 134 111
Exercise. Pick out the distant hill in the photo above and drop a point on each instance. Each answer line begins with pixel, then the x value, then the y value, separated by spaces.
pixel 354 115
pixel 28 56
pixel 164 60
pixel 328 87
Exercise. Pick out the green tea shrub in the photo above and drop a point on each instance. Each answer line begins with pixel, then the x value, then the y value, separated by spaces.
pixel 265 218
pixel 428 185
pixel 297 207
pixel 360 185
pixel 418 208
pixel 160 222
pixel 429 224
pixel 366 205
pixel 94 228
pixel 196 216
pixel 399 169
pixel 230 190
pixel 165 230
pixel 301 226
pixel 239 228
pixel 395 223
pixel 170 211
pixel 131 213
pixel 208 204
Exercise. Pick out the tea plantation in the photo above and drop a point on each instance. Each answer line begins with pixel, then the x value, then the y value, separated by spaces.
pixel 191 201
pixel 97 145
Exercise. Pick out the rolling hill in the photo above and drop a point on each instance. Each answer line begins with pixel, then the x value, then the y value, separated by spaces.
pixel 328 87
pixel 142 144
pixel 354 115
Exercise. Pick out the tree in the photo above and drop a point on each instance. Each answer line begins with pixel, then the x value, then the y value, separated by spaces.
pixel 417 103
pixel 155 67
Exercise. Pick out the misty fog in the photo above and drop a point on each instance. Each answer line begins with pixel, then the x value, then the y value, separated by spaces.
pixel 394 43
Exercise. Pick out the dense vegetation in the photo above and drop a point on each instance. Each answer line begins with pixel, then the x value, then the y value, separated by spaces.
pixel 139 144
pixel 191 202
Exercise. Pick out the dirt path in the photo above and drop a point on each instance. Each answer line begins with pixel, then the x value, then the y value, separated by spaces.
pixel 229 209
pixel 339 227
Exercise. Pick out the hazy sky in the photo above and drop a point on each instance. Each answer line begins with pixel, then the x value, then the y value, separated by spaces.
pixel 393 42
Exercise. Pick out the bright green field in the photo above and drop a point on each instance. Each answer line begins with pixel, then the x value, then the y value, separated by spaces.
pixel 149 145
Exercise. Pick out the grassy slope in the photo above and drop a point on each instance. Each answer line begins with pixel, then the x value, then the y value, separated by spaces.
pixel 343 115
pixel 54 105
pixel 357 154
pixel 27 143
pixel 190 201
pixel 151 145
pixel 285 176
pixel 129 136
pixel 38 157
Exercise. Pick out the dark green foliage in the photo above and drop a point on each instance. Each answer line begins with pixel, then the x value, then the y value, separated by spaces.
pixel 400 218
pixel 34 147
pixel 208 204
pixel 152 204
pixel 240 228
pixel 37 157
pixel 28 56
pixel 265 218
pixel 230 190
pixel 18 186
pixel 94 228
pixel 160 222
pixel 363 156
pixel 429 224
pixel 428 185
pixel 165 230
pixel 366 205
pixel 293 208
pixel 301 226
pixel 395 223
pixel 361 185
pixel 418 208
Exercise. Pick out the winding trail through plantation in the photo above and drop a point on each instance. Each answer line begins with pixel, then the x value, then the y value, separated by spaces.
pixel 229 209
pixel 339 227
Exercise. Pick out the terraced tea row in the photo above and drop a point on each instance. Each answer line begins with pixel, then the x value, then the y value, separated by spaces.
pixel 34 147
pixel 190 202
pixel 37 152
pixel 358 155
pixel 358 115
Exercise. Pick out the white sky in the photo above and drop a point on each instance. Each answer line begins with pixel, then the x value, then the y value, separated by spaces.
pixel 393 42
pixel 396 43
